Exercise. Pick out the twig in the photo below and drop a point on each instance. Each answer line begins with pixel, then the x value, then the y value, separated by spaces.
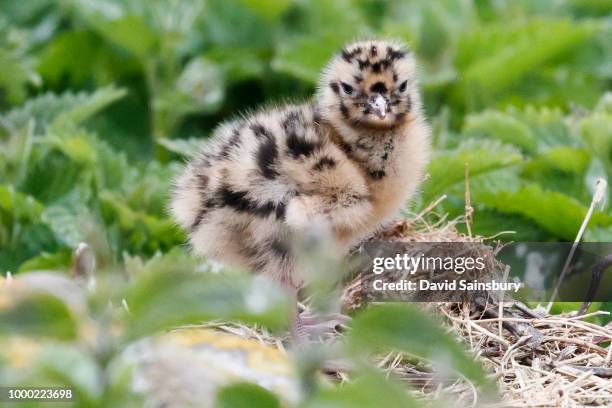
pixel 602 372
pixel 501 300
pixel 431 206
pixel 598 197
pixel 597 273
pixel 469 210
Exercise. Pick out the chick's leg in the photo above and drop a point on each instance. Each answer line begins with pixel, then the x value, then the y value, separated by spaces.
pixel 306 325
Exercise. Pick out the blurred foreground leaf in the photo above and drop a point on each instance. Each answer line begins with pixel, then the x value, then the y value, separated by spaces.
pixel 165 299
pixel 370 389
pixel 245 395
pixel 38 315
pixel 405 328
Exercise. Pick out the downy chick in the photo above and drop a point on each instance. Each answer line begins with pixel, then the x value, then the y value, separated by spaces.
pixel 350 159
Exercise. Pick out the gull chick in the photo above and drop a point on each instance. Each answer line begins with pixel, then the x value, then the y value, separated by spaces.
pixel 350 160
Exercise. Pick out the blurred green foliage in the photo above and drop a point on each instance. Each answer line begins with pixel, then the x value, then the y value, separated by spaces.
pixel 101 100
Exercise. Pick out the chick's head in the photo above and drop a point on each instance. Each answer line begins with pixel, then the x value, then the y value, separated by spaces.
pixel 369 84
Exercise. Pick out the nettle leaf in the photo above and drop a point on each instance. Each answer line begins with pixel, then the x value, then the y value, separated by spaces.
pixel 548 125
pixel 16 73
pixel 165 299
pixel 556 212
pixel 405 328
pixel 239 63
pixel 596 131
pixel 564 158
pixel 447 168
pixel 128 31
pixel 75 144
pixel 560 168
pixel 221 19
pixel 494 57
pixel 22 234
pixel 148 188
pixel 158 231
pixel 21 207
pixel 119 23
pixel 535 128
pixel 304 56
pixel 50 175
pixel 488 223
pixel 89 105
pixel 245 395
pixel 15 154
pixel 37 315
pixel 186 148
pixel 72 108
pixel 502 126
pixel 199 88
pixel 334 24
pixel 71 53
pixel 67 217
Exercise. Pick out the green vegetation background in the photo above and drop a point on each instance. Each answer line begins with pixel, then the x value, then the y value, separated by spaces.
pixel 101 101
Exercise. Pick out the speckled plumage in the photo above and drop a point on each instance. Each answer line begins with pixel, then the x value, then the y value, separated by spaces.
pixel 350 159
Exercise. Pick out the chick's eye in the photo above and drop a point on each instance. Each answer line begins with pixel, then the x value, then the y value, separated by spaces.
pixel 346 88
pixel 402 86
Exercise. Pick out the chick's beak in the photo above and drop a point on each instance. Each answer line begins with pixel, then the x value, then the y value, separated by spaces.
pixel 378 104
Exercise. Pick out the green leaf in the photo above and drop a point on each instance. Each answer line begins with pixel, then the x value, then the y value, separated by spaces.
pixel 61 109
pixel 495 57
pixel 48 261
pixel 405 328
pixel 75 144
pixel 305 56
pixel 68 216
pixel 187 148
pixel 168 297
pixel 199 88
pixel 369 389
pixel 73 368
pixel 143 232
pixel 21 207
pixel 73 54
pixel 327 26
pixel 596 131
pixel 15 154
pixel 245 395
pixel 556 212
pixel 563 158
pixel 37 315
pixel 488 223
pixel 501 126
pixel 222 18
pixel 447 168
pixel 88 106
pixel 119 25
pixel 16 72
